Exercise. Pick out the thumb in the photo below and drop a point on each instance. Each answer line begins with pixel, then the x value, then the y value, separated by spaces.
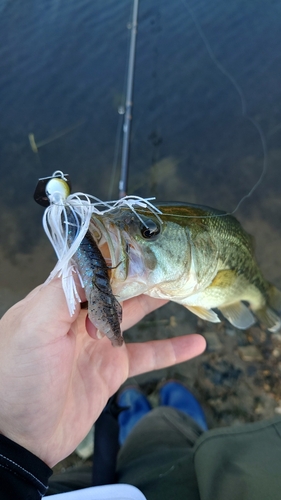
pixel 43 310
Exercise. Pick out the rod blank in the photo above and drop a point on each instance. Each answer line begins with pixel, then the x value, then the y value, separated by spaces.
pixel 123 183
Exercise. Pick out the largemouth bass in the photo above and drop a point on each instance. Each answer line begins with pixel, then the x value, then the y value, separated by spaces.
pixel 196 256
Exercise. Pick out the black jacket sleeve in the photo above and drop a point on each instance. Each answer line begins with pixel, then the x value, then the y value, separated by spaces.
pixel 23 476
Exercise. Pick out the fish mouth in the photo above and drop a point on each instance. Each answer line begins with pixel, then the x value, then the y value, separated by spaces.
pixel 126 265
pixel 111 245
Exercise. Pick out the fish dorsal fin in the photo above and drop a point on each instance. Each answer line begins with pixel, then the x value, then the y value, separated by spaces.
pixel 203 313
pixel 238 315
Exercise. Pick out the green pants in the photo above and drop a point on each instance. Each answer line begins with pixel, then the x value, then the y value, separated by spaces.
pixel 168 457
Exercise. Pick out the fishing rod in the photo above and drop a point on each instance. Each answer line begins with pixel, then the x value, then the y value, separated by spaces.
pixel 123 183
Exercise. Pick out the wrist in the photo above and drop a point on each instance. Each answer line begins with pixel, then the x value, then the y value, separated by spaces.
pixel 23 444
pixel 22 471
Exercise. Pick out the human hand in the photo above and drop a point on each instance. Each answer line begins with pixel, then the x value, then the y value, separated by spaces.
pixel 56 376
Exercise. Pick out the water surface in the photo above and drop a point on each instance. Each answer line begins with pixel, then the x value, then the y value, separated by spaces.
pixel 63 65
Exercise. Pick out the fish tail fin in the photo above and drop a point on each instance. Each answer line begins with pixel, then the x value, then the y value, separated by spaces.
pixel 268 315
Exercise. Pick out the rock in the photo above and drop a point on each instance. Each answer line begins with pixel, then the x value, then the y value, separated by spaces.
pixel 213 341
pixel 276 336
pixel 231 332
pixel 86 448
pixel 250 353
pixel 221 373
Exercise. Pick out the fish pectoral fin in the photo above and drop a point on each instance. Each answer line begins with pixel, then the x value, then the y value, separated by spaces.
pixel 269 318
pixel 274 297
pixel 203 313
pixel 238 315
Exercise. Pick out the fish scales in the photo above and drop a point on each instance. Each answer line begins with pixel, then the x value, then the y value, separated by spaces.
pixel 199 257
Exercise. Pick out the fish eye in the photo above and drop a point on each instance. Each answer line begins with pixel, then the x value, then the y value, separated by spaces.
pixel 150 230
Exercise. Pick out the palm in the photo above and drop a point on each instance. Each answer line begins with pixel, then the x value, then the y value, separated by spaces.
pixel 92 371
pixel 65 375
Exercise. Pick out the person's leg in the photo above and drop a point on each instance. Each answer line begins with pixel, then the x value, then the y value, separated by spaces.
pixel 240 463
pixel 157 452
pixel 157 456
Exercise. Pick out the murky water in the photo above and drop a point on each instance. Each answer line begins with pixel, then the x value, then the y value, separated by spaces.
pixel 63 66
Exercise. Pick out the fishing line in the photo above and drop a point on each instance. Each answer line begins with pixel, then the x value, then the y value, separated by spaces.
pixel 240 93
pixel 245 115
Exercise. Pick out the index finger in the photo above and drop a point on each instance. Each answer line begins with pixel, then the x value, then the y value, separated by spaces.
pixel 157 354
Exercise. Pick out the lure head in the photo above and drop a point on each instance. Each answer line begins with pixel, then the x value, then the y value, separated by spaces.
pixel 57 189
pixel 52 189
